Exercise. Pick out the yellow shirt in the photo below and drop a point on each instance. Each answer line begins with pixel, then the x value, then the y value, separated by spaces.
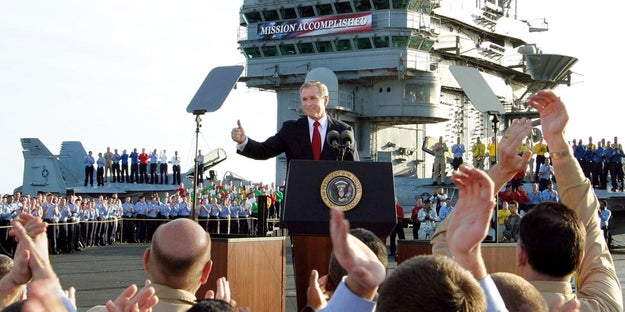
pixel 540 149
pixel 525 147
pixel 478 150
pixel 492 149
pixel 502 214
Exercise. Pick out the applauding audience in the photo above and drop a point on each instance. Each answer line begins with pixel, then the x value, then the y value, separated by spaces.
pixel 556 239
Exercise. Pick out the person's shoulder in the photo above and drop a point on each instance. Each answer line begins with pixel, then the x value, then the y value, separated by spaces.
pixel 295 123
pixel 336 122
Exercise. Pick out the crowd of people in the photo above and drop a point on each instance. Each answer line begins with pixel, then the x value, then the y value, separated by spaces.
pixel 28 281
pixel 598 161
pixel 134 167
pixel 76 222
pixel 513 203
pixel 556 240
pixel 601 162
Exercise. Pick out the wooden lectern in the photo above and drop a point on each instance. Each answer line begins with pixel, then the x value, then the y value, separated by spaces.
pixel 255 268
pixel 363 190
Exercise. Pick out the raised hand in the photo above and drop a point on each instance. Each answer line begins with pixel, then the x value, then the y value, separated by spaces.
pixel 365 272
pixel 471 218
pixel 44 295
pixel 553 114
pixel 132 301
pixel 238 134
pixel 36 229
pixel 39 262
pixel 510 162
pixel 222 292
pixel 316 299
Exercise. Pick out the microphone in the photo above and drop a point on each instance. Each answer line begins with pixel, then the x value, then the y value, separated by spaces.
pixel 333 138
pixel 347 139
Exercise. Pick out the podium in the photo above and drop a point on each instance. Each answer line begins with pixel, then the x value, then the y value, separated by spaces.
pixel 498 257
pixel 255 268
pixel 363 190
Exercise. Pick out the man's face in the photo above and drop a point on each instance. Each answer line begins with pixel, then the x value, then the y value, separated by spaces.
pixel 313 103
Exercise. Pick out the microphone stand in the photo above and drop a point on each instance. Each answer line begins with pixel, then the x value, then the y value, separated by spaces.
pixel 342 150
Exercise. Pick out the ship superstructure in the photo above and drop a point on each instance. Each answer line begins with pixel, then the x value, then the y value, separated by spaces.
pixel 391 60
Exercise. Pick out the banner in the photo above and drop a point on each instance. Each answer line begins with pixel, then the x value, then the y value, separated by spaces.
pixel 315 26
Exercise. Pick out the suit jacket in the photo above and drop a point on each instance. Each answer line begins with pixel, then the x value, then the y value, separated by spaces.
pixel 293 139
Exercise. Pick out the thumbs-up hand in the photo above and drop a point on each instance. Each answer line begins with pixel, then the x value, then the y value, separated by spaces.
pixel 238 134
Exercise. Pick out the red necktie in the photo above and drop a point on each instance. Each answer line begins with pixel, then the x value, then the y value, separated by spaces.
pixel 316 142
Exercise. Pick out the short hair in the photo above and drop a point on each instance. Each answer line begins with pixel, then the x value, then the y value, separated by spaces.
pixel 323 89
pixel 430 283
pixel 518 294
pixel 211 305
pixel 553 238
pixel 336 271
pixel 6 264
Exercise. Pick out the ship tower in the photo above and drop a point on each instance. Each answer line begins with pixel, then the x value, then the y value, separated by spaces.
pixel 391 60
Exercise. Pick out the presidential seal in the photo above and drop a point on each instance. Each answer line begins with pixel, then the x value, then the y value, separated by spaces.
pixel 341 189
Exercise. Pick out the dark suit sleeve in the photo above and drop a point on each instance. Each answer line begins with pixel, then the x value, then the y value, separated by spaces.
pixel 292 139
pixel 271 147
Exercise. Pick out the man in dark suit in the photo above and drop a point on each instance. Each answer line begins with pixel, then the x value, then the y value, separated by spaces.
pixel 296 137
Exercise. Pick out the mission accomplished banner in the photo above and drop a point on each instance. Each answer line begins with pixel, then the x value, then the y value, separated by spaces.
pixel 315 26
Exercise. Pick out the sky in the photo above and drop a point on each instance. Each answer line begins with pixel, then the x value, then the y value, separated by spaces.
pixel 121 74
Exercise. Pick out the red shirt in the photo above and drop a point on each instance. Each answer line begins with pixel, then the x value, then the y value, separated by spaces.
pixel 521 196
pixel 506 196
pixel 400 213
pixel 144 158
pixel 415 212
